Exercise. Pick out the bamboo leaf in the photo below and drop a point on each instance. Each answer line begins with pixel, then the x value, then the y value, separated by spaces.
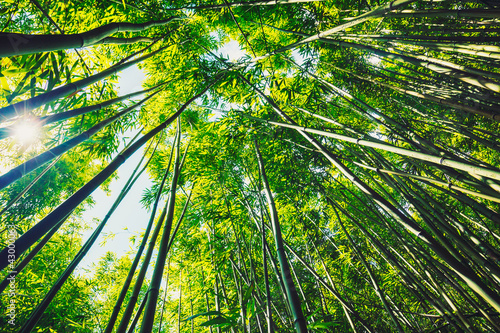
pixel 216 321
pixel 208 313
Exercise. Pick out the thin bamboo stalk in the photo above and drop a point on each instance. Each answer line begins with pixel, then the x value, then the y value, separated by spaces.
pixel 447 13
pixel 293 297
pixel 131 329
pixel 435 181
pixel 473 169
pixel 42 227
pixel 18 44
pixel 440 100
pixel 329 288
pixel 26 106
pixel 32 164
pixel 269 316
pixel 154 286
pixel 445 68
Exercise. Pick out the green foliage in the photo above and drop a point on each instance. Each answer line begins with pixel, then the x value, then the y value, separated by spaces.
pixel 422 251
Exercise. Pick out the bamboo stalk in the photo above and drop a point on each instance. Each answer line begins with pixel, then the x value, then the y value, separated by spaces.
pixel 18 44
pixel 293 298
pixel 427 179
pixel 26 106
pixel 380 292
pixel 446 13
pixel 473 169
pixel 42 227
pixel 149 312
pixel 380 11
pixel 34 163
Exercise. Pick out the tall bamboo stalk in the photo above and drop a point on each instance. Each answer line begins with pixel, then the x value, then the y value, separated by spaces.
pixel 293 297
pixel 149 312
pixel 38 230
pixel 35 162
pixel 473 169
pixel 18 44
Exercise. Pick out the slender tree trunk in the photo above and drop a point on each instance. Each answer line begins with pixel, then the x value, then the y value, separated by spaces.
pixel 34 163
pixel 47 223
pixel 377 12
pixel 42 121
pixel 18 44
pixel 149 312
pixel 293 297
pixel 131 329
pixel 445 13
pixel 165 296
pixel 473 169
pixel 374 281
pixel 269 316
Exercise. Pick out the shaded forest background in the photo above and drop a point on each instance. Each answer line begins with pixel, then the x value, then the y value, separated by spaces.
pixel 342 176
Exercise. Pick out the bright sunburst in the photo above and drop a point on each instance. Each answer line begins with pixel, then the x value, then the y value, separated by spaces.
pixel 26 132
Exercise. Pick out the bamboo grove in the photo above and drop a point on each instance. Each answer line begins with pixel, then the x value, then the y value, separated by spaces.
pixel 341 176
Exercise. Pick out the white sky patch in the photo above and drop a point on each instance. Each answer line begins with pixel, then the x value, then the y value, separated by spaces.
pixel 130 80
pixel 214 116
pixel 374 60
pixel 231 50
pixel 297 57
pixel 130 218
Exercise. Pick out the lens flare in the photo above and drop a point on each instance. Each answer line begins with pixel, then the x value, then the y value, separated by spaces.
pixel 26 132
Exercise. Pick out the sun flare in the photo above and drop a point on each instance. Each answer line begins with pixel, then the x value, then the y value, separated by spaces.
pixel 26 132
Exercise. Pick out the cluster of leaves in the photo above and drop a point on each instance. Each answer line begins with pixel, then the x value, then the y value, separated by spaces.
pixel 374 240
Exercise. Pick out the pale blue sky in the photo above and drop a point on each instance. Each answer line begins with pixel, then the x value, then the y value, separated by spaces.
pixel 130 218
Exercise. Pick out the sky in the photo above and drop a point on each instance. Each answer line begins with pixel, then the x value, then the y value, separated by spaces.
pixel 130 218
pixel 231 50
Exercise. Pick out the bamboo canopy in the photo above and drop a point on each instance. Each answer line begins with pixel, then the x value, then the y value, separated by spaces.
pixel 278 166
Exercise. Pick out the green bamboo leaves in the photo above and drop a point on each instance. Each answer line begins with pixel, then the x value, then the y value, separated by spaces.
pixel 293 297
pixel 368 201
pixel 12 44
